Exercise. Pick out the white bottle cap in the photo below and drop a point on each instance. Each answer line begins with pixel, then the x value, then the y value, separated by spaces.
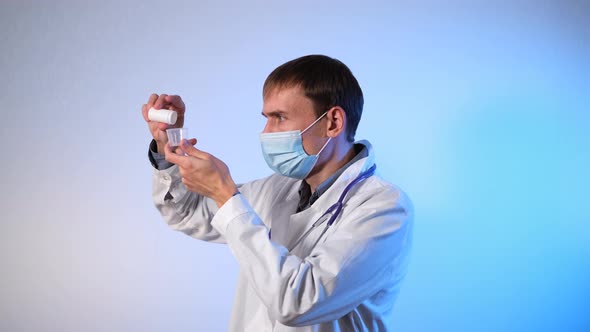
pixel 163 115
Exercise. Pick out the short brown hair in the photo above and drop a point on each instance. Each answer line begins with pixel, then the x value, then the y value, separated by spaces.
pixel 326 81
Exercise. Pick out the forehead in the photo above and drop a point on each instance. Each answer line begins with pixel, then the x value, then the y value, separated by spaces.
pixel 287 100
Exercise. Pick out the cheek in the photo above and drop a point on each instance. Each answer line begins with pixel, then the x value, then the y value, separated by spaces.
pixel 311 145
pixel 308 147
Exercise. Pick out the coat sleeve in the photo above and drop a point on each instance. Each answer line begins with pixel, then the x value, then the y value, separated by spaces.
pixel 183 210
pixel 365 254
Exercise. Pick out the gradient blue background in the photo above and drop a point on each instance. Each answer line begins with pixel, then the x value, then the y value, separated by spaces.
pixel 479 110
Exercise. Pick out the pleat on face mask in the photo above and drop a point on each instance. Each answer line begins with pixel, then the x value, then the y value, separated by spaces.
pixel 284 153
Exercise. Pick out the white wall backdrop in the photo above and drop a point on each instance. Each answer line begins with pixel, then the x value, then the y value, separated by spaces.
pixel 479 110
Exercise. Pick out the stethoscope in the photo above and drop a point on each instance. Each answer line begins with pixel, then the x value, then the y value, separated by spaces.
pixel 335 209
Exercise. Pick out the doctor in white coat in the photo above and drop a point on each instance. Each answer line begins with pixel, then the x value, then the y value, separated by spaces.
pixel 323 244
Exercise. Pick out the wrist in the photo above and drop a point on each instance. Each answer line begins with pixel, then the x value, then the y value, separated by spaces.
pixel 226 196
pixel 160 146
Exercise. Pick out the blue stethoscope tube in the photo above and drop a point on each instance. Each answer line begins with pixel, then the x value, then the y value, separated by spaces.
pixel 335 209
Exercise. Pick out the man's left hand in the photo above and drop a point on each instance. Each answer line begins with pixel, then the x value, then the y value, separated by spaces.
pixel 202 172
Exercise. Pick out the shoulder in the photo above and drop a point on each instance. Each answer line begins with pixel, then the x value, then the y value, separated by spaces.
pixel 380 198
pixel 385 190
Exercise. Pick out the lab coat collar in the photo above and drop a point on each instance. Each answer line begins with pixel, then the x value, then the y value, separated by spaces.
pixel 349 174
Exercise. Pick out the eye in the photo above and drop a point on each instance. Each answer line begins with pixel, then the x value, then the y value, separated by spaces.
pixel 275 117
pixel 278 117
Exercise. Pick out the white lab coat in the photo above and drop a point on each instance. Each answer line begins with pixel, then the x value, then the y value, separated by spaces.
pixel 347 282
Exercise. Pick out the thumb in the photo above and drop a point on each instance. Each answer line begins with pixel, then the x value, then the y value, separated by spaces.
pixel 188 147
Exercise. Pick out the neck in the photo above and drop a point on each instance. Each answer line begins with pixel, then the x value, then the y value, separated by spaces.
pixel 337 157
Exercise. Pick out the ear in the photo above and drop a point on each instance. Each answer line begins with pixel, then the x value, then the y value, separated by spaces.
pixel 336 121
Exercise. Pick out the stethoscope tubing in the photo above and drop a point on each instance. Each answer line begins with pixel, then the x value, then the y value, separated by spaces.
pixel 336 208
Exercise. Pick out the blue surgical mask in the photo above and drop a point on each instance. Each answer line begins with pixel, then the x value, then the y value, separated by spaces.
pixel 284 153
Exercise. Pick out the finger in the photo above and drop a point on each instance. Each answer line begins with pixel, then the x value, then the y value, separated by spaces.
pixel 191 141
pixel 152 100
pixel 172 157
pixel 146 107
pixel 163 126
pixel 192 151
pixel 144 112
pixel 160 102
pixel 176 103
pixel 178 151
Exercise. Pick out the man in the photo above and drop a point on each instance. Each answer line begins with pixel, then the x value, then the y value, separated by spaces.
pixel 301 269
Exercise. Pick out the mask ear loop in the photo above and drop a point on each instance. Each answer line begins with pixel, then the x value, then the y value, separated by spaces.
pixel 316 120
pixel 311 125
pixel 323 147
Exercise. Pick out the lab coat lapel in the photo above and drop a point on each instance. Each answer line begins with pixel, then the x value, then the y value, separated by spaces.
pixel 287 225
pixel 299 223
pixel 280 216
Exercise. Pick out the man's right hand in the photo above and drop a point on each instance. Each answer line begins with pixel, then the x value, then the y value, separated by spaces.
pixel 158 129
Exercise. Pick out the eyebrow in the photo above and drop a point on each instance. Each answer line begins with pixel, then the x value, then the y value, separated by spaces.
pixel 273 113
